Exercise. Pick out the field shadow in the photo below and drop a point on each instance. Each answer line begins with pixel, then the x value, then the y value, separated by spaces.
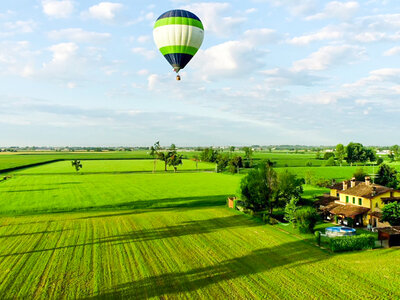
pixel 178 202
pixel 291 255
pixel 32 190
pixel 183 229
pixel 32 233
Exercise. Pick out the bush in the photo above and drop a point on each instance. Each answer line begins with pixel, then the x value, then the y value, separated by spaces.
pixel 309 163
pixel 306 218
pixel 318 237
pixel 351 243
pixel 379 161
pixel 322 182
pixel 330 162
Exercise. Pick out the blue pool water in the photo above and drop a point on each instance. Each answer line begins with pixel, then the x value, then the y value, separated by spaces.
pixel 339 231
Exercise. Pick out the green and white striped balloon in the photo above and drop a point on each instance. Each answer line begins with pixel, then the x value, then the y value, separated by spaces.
pixel 178 35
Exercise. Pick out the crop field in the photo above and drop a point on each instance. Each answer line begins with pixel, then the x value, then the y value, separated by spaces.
pixel 196 252
pixel 113 166
pixel 163 235
pixel 57 193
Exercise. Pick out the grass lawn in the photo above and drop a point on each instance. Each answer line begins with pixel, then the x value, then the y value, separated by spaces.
pixel 57 193
pixel 110 166
pixel 167 236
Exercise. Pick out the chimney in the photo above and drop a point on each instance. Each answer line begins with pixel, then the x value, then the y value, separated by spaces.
pixel 368 180
pixel 353 182
pixel 373 191
pixel 345 186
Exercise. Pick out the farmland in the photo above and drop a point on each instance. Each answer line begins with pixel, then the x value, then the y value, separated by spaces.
pixel 120 231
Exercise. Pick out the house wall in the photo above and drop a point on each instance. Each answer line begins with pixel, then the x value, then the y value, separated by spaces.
pixel 333 193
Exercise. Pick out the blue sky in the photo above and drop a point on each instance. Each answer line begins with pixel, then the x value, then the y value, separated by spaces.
pixel 269 72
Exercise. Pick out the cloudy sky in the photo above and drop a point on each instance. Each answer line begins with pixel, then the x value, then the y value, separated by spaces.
pixel 269 72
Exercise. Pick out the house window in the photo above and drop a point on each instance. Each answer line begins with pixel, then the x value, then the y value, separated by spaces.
pixel 359 201
pixel 347 199
pixel 354 200
pixel 337 194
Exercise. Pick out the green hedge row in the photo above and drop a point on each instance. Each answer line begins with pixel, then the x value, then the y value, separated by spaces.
pixel 351 243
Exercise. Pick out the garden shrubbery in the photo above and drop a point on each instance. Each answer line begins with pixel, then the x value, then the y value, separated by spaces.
pixel 306 217
pixel 351 243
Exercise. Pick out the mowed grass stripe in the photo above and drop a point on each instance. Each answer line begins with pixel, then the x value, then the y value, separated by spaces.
pixel 184 253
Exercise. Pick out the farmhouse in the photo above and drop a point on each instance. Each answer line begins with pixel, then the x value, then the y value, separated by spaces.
pixel 357 203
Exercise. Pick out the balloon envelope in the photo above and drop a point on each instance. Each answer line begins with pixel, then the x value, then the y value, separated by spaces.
pixel 178 35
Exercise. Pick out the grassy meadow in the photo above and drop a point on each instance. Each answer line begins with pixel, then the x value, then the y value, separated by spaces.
pixel 114 233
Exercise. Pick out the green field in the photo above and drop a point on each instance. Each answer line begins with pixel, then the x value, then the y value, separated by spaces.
pixel 113 166
pixel 163 235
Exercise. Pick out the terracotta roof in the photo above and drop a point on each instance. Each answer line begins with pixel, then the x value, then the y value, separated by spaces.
pixel 339 185
pixel 348 210
pixel 394 230
pixel 331 206
pixel 366 190
pixel 325 199
pixel 376 214
pixel 390 199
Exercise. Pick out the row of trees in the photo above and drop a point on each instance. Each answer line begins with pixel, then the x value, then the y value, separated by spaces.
pixel 170 157
pixel 230 161
pixel 352 153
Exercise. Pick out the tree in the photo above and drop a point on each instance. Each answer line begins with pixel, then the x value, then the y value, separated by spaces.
pixel 391 213
pixel 354 153
pixel 379 161
pixel 232 148
pixel 235 163
pixel 328 155
pixel 360 174
pixel 164 156
pixel 340 153
pixel 174 160
pixel 306 218
pixel 172 147
pixel 248 154
pixel 222 162
pixel 330 162
pixel 396 151
pixel 387 176
pixel 209 155
pixel 318 155
pixel 77 164
pixel 288 187
pixel 258 187
pixel 153 153
pixel 290 211
pixel 196 159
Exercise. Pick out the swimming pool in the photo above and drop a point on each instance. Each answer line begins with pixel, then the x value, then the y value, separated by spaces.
pixel 339 231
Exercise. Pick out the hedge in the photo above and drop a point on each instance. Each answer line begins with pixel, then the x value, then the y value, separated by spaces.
pixel 351 243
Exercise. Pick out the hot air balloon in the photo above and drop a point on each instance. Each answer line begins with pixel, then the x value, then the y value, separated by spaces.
pixel 178 35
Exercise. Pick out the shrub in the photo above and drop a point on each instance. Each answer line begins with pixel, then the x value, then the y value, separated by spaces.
pixel 318 237
pixel 351 243
pixel 306 218
pixel 309 163
pixel 379 161
pixel 330 162
pixel 322 182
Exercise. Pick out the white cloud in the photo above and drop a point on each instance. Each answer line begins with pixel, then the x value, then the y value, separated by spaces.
pixel 143 39
pixel 213 16
pixel 329 55
pixel 58 9
pixel 392 51
pixel 148 54
pixel 327 33
pixel 16 58
pixel 260 36
pixel 105 11
pixel 21 26
pixel 336 9
pixel 153 81
pixel 78 35
pixel 295 7
pixel 143 72
pixel 63 52
pixel 229 59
